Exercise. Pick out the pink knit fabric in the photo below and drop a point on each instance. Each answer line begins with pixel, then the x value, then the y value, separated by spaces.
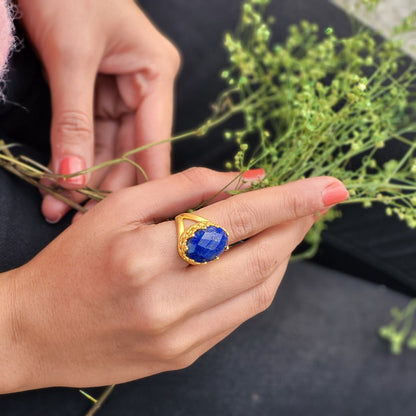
pixel 6 37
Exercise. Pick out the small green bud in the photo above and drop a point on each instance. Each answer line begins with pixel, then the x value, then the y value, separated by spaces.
pixel 362 86
pixel 411 342
pixel 243 80
pixel 385 331
pixel 225 74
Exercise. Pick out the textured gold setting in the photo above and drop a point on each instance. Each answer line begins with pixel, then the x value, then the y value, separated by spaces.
pixel 185 235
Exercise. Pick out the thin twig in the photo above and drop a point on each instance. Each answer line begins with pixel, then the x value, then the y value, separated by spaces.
pixel 94 409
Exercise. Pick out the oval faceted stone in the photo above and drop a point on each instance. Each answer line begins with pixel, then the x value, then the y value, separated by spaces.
pixel 207 245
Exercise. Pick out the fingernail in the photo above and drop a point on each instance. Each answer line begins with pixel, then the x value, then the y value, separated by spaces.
pixel 53 209
pixel 72 164
pixel 254 174
pixel 54 220
pixel 334 193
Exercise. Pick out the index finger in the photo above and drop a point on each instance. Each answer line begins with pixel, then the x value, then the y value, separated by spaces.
pixel 243 215
pixel 248 214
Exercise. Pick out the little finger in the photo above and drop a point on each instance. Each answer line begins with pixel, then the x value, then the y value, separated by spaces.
pixel 201 331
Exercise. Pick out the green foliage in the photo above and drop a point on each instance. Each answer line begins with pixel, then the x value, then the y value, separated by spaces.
pixel 408 24
pixel 320 104
pixel 399 331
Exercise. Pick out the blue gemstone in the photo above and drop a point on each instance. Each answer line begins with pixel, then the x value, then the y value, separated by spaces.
pixel 208 244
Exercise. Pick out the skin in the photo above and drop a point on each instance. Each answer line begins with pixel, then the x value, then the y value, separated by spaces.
pixel 111 75
pixel 6 38
pixel 110 300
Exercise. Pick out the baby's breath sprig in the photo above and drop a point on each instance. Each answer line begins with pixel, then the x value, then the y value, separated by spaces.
pixel 399 333
pixel 328 105
pixel 407 25
pixel 325 105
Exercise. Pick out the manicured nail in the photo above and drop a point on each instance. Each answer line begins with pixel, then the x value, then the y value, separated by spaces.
pixel 72 164
pixel 334 193
pixel 254 175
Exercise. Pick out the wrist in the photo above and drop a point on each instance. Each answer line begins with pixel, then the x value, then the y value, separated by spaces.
pixel 15 365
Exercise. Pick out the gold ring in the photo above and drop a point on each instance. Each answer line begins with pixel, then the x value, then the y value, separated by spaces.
pixel 202 242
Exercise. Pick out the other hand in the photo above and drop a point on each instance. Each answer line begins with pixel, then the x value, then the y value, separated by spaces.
pixel 111 75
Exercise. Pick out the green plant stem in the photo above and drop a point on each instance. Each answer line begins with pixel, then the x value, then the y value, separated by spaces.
pixel 202 131
pixel 42 187
pixel 104 396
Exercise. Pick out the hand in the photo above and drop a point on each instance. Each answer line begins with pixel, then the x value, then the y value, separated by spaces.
pixel 111 75
pixel 6 39
pixel 110 300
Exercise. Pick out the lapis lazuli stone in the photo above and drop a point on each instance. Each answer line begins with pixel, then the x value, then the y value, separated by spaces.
pixel 208 244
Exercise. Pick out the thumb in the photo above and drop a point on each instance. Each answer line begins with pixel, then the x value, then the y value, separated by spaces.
pixel 72 129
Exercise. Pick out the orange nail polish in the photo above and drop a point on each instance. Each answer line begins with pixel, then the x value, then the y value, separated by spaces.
pixel 334 193
pixel 72 164
pixel 254 174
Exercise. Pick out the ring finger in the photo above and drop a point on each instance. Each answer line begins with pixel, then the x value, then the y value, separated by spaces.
pixel 190 339
pixel 198 289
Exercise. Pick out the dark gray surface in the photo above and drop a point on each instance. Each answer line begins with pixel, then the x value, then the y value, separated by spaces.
pixel 314 352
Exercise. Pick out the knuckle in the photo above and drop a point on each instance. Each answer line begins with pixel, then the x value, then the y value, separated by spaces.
pixel 74 125
pixel 262 298
pixel 69 48
pixel 122 263
pixel 118 201
pixel 186 360
pixel 164 63
pixel 127 269
pixel 297 205
pixel 242 217
pixel 169 57
pixel 154 319
pixel 303 228
pixel 197 176
pixel 262 262
pixel 171 350
pixel 174 58
pixel 120 198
